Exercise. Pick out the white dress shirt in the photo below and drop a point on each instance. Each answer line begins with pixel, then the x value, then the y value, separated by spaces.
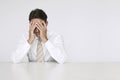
pixel 53 49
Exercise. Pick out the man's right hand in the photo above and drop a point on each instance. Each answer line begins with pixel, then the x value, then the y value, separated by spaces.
pixel 31 32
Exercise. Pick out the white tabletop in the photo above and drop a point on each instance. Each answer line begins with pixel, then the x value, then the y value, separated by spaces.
pixel 54 71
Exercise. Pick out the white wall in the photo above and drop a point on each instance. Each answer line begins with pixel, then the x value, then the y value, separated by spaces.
pixel 90 28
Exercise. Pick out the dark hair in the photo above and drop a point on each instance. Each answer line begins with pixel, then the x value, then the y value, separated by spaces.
pixel 37 13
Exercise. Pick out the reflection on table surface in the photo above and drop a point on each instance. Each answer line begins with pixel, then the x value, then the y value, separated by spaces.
pixel 55 71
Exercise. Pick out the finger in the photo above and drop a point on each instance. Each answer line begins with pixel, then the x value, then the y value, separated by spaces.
pixel 40 23
pixel 31 22
pixel 32 26
pixel 43 23
pixel 39 27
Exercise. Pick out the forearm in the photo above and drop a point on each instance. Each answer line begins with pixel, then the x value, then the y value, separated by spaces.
pixel 57 53
pixel 20 52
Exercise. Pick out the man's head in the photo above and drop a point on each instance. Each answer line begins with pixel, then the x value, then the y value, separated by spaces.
pixel 38 15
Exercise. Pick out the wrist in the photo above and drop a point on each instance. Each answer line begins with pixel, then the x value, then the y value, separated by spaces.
pixel 30 41
pixel 44 40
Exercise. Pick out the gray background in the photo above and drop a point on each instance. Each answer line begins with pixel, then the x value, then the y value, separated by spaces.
pixel 91 28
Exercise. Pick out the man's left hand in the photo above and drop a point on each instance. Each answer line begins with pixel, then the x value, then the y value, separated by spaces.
pixel 43 30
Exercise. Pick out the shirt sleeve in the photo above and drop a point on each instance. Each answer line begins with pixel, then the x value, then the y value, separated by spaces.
pixel 56 49
pixel 21 51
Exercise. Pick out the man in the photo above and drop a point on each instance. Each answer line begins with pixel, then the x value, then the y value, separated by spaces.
pixel 40 45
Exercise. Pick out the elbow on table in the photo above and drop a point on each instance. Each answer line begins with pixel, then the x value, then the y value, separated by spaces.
pixel 62 61
pixel 14 60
